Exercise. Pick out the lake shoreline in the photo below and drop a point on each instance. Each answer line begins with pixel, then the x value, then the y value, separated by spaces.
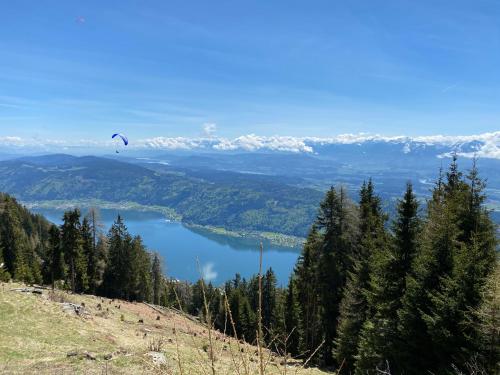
pixel 277 239
pixel 273 238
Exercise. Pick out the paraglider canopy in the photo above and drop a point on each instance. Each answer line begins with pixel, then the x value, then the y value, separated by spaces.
pixel 123 137
pixel 120 139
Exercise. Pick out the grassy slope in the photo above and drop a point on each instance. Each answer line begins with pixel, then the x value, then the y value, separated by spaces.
pixel 36 335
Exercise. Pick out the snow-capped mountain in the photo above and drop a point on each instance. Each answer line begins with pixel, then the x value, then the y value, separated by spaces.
pixel 486 145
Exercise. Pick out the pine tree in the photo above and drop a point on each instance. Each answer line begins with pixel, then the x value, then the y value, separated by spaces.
pixel 4 274
pixel 88 253
pixel 117 274
pixel 247 319
pixel 140 288
pixel 336 223
pixel 218 311
pixel 291 331
pixel 92 239
pixel 34 260
pixel 479 234
pixel 379 338
pixel 55 256
pixel 406 230
pixel 13 241
pixel 235 306
pixel 269 303
pixel 353 313
pixel 196 306
pixel 457 254
pixel 157 279
pixel 454 177
pixel 22 270
pixel 486 322
pixel 433 264
pixel 24 238
pixel 306 274
pixel 102 260
pixel 472 261
pixel 354 309
pixel 71 243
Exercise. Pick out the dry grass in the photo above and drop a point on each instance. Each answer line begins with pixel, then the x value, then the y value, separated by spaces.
pixel 156 343
pixel 36 336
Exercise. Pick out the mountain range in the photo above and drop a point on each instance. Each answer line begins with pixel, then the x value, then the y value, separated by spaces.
pixel 486 145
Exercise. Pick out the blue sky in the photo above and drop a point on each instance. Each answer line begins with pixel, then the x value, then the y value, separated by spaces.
pixel 302 68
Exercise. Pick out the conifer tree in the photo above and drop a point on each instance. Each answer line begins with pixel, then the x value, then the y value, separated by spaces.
pixel 23 237
pixel 473 259
pixel 252 292
pixel 379 338
pixel 236 307
pixel 335 221
pixel 454 181
pixel 22 270
pixel 196 306
pixel 55 256
pixel 140 287
pixel 486 322
pixel 433 264
pixel 4 274
pixel 353 313
pixel 354 309
pixel 307 280
pixel 248 320
pixel 218 311
pixel 12 238
pixel 291 332
pixel 117 274
pixel 91 230
pixel 71 243
pixel 269 302
pixel 18 252
pixel 157 279
pixel 88 253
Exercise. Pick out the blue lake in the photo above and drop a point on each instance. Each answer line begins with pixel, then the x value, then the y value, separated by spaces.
pixel 220 257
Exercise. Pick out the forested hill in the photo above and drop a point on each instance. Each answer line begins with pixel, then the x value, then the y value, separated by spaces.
pixel 23 239
pixel 233 201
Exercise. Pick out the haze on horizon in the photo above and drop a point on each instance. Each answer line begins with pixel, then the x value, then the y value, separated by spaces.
pixel 83 70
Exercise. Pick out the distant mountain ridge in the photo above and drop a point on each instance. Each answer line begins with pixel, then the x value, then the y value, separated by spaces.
pixel 486 145
pixel 349 164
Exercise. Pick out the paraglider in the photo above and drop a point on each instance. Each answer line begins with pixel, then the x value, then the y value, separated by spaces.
pixel 120 141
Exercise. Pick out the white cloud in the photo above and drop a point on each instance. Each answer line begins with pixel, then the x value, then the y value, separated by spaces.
pixel 11 141
pixel 448 140
pixel 209 129
pixel 486 145
pixel 253 142
pixel 208 273
pixel 177 143
pixel 355 138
